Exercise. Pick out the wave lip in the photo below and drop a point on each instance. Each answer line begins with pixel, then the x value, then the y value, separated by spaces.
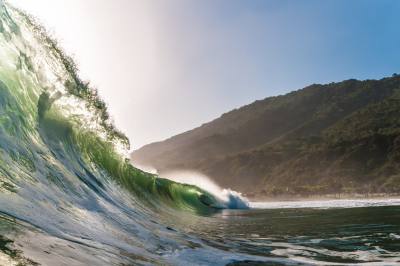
pixel 63 165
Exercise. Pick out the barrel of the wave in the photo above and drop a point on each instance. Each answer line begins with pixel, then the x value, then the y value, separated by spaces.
pixel 67 118
pixel 185 197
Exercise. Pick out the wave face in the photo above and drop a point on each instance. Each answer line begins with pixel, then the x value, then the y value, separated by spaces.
pixel 69 196
pixel 63 170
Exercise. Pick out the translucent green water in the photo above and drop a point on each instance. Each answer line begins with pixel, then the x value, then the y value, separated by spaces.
pixel 68 196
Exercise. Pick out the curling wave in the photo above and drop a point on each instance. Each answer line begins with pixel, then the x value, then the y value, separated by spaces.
pixel 63 166
pixel 69 195
pixel 226 198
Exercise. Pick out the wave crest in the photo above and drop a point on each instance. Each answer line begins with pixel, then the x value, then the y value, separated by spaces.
pixel 228 198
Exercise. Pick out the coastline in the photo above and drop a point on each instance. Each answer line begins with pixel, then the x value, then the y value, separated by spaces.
pixel 326 197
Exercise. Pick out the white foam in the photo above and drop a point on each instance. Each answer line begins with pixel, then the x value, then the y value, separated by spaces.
pixel 230 199
pixel 6 260
pixel 146 168
pixel 326 204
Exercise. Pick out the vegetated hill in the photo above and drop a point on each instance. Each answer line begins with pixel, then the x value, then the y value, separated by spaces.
pixel 334 138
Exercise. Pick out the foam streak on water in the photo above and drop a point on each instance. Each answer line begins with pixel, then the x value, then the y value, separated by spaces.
pixel 326 204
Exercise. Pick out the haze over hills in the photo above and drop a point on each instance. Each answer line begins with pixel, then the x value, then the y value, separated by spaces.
pixel 336 138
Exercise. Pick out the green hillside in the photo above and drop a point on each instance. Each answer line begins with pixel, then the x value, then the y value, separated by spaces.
pixel 336 138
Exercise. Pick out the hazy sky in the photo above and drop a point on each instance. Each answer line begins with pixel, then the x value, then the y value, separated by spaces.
pixel 167 66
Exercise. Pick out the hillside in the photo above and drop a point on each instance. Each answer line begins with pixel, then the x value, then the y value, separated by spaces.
pixel 336 138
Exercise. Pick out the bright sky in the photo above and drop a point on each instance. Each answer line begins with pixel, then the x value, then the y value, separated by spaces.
pixel 165 67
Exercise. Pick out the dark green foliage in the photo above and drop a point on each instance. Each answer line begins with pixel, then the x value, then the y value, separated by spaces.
pixel 336 138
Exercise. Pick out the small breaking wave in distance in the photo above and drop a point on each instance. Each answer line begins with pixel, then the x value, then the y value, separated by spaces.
pixel 228 198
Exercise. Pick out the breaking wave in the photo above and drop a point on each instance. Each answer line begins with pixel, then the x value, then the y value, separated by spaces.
pixel 70 196
pixel 64 172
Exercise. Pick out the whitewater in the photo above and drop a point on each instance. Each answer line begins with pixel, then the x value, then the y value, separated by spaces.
pixel 70 196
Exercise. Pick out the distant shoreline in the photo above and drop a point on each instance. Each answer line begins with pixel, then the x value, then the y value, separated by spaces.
pixel 341 196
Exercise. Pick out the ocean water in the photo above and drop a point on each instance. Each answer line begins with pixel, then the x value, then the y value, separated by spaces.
pixel 327 203
pixel 289 236
pixel 69 196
